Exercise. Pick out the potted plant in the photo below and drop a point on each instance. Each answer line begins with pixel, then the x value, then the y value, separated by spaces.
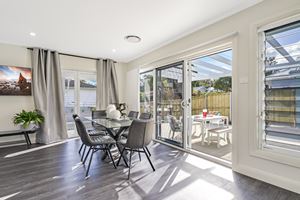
pixel 28 119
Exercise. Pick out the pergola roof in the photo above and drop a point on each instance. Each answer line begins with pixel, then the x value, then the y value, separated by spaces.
pixel 207 67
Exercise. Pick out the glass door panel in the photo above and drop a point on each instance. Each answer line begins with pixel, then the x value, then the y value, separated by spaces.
pixel 146 92
pixel 169 98
pixel 210 130
pixel 87 95
pixel 69 78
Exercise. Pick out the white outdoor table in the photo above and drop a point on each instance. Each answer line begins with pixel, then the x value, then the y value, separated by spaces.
pixel 203 121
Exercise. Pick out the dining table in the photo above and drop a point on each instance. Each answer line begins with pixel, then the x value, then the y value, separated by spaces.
pixel 114 127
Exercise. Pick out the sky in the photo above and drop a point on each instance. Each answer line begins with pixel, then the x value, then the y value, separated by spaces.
pixel 289 39
pixel 13 73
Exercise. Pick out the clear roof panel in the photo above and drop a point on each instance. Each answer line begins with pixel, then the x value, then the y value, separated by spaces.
pixel 212 66
pixel 208 67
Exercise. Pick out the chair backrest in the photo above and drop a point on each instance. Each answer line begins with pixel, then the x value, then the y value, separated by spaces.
pixel 174 124
pixel 145 116
pixel 140 133
pixel 84 136
pixel 133 114
pixel 98 114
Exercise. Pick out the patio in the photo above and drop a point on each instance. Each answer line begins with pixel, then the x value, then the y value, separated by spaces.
pixel 223 152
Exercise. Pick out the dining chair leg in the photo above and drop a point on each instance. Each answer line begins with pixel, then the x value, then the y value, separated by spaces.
pixel 90 162
pixel 112 159
pixel 80 148
pixel 87 155
pixel 139 155
pixel 149 159
pixel 129 164
pixel 82 156
pixel 148 151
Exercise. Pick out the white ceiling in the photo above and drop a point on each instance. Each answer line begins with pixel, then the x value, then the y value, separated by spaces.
pixel 95 27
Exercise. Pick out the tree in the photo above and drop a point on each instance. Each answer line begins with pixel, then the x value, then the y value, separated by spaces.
pixel 223 84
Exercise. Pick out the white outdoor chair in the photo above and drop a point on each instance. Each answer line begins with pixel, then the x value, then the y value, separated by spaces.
pixel 222 133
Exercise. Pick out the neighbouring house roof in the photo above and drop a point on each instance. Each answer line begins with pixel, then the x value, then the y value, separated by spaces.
pixel 83 84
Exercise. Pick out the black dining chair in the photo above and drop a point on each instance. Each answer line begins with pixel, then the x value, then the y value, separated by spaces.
pixel 98 114
pixel 95 143
pixel 146 116
pixel 140 135
pixel 143 116
pixel 133 114
pixel 92 133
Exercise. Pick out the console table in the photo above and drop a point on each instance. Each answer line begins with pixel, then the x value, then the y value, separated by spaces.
pixel 24 132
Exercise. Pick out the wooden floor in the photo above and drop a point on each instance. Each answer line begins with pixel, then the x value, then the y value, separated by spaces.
pixel 56 173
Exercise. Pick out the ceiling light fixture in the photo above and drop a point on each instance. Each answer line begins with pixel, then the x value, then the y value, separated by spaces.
pixel 32 34
pixel 114 50
pixel 132 38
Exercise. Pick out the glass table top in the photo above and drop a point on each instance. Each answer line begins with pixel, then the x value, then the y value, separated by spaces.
pixel 111 123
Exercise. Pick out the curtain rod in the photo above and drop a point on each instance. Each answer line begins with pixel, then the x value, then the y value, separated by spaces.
pixel 77 56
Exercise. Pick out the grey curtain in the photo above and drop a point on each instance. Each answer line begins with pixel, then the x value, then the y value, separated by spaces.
pixel 107 84
pixel 48 95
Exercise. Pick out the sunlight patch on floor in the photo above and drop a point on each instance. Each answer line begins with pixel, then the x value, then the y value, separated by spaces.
pixel 33 149
pixel 223 172
pixel 76 166
pixel 155 178
pixel 181 175
pixel 9 196
pixel 199 162
pixel 200 189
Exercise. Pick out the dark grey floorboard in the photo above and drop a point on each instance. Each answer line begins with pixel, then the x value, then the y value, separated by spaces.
pixel 56 173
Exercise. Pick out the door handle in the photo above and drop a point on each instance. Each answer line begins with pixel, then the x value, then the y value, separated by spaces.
pixel 182 104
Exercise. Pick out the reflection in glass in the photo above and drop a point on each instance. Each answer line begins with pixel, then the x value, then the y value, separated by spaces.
pixel 146 92
pixel 169 95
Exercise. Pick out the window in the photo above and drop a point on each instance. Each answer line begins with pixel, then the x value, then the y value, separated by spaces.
pixel 280 89
pixel 80 96
pixel 146 92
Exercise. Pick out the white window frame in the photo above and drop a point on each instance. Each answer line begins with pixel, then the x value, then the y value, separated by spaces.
pixel 276 154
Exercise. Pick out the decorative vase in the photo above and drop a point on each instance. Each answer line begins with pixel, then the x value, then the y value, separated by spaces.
pixel 110 108
pixel 115 114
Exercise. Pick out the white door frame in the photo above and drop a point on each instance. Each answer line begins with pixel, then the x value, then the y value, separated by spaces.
pixel 188 95
pixel 220 44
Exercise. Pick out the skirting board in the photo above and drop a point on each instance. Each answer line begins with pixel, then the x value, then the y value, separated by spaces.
pixel 279 181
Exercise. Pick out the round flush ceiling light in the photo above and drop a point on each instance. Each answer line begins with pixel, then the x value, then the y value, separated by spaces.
pixel 32 34
pixel 132 38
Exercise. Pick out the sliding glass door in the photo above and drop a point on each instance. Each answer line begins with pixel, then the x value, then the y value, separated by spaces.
pixel 169 99
pixel 210 127
pixel 193 102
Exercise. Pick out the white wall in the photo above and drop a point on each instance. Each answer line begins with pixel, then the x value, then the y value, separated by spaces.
pixel 245 24
pixel 9 105
pixel 21 56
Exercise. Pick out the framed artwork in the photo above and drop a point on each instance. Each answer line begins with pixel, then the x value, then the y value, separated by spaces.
pixel 15 80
